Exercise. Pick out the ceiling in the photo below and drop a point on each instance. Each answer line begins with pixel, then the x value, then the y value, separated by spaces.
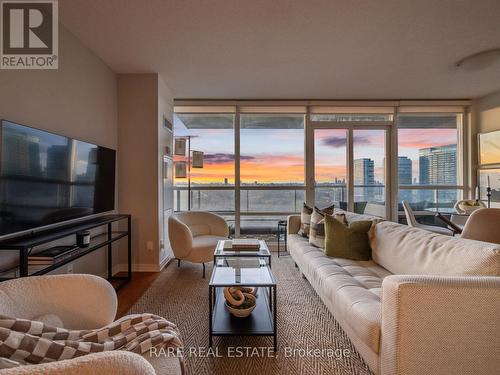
pixel 295 49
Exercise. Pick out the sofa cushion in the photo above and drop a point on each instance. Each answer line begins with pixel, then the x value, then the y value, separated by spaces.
pixel 199 229
pixel 204 247
pixel 406 250
pixel 206 241
pixel 352 217
pixel 350 242
pixel 351 289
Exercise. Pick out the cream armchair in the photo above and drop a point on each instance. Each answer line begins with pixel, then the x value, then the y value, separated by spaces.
pixel 193 235
pixel 482 225
pixel 75 302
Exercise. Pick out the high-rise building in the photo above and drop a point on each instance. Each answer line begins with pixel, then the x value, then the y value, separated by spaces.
pixel 364 172
pixel 405 172
pixel 438 165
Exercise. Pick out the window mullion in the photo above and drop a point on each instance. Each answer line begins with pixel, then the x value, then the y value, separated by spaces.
pixel 237 174
pixel 350 169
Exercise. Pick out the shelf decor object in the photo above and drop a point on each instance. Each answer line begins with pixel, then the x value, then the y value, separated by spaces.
pixel 240 302
pixel 180 169
pixel 180 146
pixel 194 160
pixel 197 159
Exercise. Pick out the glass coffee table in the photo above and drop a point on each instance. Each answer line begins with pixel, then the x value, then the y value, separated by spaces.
pixel 242 272
pixel 262 253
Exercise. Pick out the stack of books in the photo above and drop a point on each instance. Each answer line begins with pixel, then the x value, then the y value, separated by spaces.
pixel 50 256
pixel 243 244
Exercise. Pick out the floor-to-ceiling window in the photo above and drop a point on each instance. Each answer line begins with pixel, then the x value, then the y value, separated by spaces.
pixel 429 161
pixel 210 188
pixel 271 166
pixel 262 162
pixel 330 168
pixel 369 171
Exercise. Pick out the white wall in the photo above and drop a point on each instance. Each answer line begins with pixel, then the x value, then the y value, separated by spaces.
pixel 143 99
pixel 77 100
pixel 488 110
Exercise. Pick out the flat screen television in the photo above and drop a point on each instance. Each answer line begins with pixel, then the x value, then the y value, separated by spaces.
pixel 47 179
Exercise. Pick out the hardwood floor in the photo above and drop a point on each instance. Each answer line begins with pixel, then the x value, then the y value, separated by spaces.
pixel 132 291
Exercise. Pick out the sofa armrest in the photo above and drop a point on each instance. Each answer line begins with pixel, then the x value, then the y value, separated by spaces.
pixel 80 301
pixel 105 363
pixel 440 325
pixel 293 224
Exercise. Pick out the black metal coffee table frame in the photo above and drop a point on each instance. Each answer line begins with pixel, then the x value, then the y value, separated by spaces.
pixel 262 321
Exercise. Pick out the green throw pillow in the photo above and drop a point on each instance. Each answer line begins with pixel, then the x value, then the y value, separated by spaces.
pixel 349 242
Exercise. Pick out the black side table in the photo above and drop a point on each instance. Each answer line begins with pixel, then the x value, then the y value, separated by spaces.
pixel 282 229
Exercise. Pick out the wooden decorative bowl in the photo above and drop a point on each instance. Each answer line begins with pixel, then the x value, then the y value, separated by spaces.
pixel 244 310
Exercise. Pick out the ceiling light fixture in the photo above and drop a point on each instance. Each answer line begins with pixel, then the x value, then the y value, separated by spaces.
pixel 479 60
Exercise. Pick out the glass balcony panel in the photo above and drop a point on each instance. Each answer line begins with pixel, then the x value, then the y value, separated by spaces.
pixel 422 199
pixel 327 194
pixel 283 201
pixel 263 227
pixel 204 200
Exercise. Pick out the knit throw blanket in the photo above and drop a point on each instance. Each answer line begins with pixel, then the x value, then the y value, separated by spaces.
pixel 24 342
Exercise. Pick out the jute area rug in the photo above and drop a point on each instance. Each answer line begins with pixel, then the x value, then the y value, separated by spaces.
pixel 310 340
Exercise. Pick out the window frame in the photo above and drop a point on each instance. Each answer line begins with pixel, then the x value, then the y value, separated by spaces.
pixel 309 108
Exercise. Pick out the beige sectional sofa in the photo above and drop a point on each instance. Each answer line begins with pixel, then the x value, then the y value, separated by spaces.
pixel 425 304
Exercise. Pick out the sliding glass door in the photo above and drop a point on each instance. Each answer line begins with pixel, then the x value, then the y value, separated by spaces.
pixel 369 171
pixel 330 172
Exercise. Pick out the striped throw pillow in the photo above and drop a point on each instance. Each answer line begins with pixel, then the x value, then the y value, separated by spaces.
pixel 305 220
pixel 317 231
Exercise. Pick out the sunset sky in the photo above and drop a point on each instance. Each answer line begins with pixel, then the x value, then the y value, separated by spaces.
pixel 277 155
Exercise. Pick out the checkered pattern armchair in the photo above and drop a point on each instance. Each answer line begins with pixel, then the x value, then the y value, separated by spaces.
pixel 75 302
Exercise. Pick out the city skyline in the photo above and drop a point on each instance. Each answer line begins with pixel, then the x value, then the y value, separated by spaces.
pixel 437 165
pixel 276 156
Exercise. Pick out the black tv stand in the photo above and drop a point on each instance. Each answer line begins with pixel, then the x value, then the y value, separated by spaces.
pixel 26 244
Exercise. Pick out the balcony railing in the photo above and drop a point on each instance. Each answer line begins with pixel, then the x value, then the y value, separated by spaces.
pixel 261 206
